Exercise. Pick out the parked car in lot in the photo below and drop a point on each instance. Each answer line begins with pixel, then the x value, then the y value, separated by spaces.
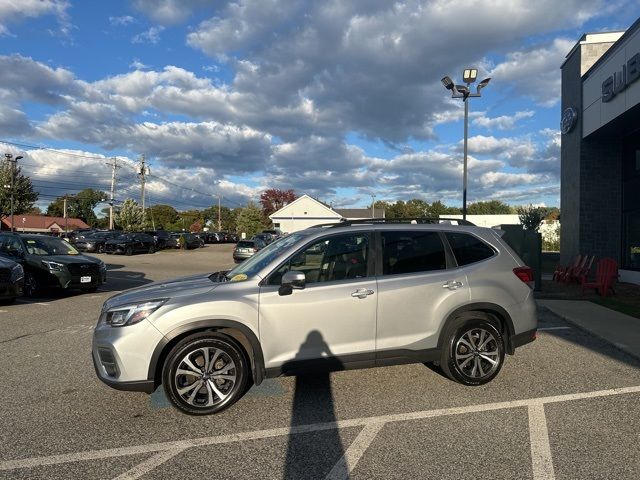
pixel 191 241
pixel 130 243
pixel 95 242
pixel 11 280
pixel 49 261
pixel 160 238
pixel 350 295
pixel 247 248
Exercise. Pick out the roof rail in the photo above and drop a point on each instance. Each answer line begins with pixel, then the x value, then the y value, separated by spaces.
pixel 409 220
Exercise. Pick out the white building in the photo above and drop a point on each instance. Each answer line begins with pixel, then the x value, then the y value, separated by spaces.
pixel 305 212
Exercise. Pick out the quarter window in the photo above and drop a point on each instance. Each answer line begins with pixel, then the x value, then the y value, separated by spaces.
pixel 340 257
pixel 468 249
pixel 411 252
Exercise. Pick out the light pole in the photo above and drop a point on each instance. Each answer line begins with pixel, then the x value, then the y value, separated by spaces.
pixel 373 205
pixel 12 162
pixel 464 92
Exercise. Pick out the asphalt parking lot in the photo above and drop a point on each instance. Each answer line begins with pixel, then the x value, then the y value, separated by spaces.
pixel 563 407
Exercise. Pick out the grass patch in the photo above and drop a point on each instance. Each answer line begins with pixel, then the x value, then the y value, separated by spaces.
pixel 618 306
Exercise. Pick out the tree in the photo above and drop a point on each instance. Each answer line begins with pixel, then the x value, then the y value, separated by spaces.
pixel 80 205
pixel 492 207
pixel 130 216
pixel 24 196
pixel 438 208
pixel 227 218
pixel 273 200
pixel 196 227
pixel 531 217
pixel 162 215
pixel 250 220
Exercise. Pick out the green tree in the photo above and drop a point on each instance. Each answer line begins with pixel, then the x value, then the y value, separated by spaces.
pixel 162 215
pixel 438 208
pixel 250 220
pixel 24 196
pixel 531 217
pixel 130 216
pixel 80 205
pixel 227 218
pixel 491 207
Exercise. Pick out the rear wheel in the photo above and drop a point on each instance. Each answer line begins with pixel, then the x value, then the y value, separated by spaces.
pixel 473 352
pixel 128 251
pixel 100 248
pixel 205 374
pixel 151 249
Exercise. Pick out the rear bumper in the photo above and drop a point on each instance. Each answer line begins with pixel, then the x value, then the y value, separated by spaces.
pixel 523 338
pixel 10 290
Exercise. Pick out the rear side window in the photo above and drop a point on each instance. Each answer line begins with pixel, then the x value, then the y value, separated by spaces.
pixel 411 252
pixel 245 244
pixel 468 249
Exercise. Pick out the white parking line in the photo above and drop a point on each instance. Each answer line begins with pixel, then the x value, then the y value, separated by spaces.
pixel 553 328
pixel 541 459
pixel 149 464
pixel 278 432
pixel 349 460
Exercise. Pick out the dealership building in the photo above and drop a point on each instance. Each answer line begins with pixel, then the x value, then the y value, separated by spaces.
pixel 600 155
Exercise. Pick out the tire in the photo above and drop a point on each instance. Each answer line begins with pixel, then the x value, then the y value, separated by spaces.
pixel 100 248
pixel 218 391
pixel 31 286
pixel 128 251
pixel 473 350
pixel 151 249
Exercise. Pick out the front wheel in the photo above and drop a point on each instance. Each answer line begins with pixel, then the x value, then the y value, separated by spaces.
pixel 205 374
pixel 128 251
pixel 31 285
pixel 473 353
pixel 151 249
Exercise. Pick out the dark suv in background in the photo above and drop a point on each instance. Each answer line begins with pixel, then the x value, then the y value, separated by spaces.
pixel 49 261
pixel 95 241
pixel 160 237
pixel 130 243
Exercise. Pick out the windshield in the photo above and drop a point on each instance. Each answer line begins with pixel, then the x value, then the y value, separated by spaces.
pixel 46 246
pixel 257 262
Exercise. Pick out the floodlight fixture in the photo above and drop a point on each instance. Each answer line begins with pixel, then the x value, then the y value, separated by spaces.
pixel 483 83
pixel 469 75
pixel 448 83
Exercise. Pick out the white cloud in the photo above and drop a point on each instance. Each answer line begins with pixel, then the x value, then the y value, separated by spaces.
pixel 503 122
pixel 122 21
pixel 151 36
pixel 138 65
pixel 169 12
pixel 12 11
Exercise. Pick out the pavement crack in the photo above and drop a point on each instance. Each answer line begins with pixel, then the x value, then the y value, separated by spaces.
pixel 25 336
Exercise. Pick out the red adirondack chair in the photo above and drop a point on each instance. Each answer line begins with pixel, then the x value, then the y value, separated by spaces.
pixel 574 270
pixel 582 274
pixel 606 274
pixel 561 271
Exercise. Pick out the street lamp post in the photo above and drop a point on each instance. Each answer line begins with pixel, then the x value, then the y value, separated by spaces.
pixel 464 92
pixel 12 162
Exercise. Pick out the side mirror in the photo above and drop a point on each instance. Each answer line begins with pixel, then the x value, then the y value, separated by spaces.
pixel 292 280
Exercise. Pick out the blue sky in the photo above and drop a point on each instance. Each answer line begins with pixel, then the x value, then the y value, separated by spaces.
pixel 337 99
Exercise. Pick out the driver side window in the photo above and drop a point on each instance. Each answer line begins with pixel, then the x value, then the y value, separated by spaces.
pixel 339 257
pixel 11 246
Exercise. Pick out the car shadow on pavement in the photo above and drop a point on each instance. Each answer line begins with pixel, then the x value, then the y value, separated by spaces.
pixel 313 455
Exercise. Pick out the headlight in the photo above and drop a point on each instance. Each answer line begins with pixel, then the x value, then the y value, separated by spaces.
pixel 102 266
pixel 53 266
pixel 17 273
pixel 131 314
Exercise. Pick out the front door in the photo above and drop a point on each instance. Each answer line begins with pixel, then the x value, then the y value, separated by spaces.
pixel 332 320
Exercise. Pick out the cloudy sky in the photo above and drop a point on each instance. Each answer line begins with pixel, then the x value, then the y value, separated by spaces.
pixel 339 99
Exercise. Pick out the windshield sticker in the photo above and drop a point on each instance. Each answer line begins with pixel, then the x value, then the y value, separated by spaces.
pixel 31 241
pixel 241 277
pixel 72 252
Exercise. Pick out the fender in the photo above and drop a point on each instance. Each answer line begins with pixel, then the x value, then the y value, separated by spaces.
pixel 487 308
pixel 171 338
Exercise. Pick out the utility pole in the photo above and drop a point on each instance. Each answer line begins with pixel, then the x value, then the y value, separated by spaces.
pixel 144 171
pixel 219 217
pixel 12 162
pixel 64 214
pixel 373 203
pixel 114 167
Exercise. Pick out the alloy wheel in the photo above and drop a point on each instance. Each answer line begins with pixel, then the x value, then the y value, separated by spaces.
pixel 476 353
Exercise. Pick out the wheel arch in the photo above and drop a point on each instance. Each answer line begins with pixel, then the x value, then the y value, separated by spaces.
pixel 492 309
pixel 239 332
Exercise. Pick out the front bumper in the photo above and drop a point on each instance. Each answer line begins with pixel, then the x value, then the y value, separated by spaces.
pixel 122 355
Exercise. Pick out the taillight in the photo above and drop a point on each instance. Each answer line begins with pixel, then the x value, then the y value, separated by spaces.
pixel 525 274
pixel 254 249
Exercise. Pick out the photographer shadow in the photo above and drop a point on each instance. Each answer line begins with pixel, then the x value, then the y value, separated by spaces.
pixel 312 455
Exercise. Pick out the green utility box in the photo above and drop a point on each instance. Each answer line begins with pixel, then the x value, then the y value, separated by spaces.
pixel 527 244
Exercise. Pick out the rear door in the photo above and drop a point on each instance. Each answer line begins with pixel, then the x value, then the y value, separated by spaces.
pixel 416 291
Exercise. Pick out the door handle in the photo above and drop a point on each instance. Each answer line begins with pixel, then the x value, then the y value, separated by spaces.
pixel 362 293
pixel 453 285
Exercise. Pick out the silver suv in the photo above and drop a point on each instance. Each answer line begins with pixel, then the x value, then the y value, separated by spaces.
pixel 351 295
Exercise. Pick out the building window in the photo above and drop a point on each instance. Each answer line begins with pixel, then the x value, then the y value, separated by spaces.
pixel 631 203
pixel 632 240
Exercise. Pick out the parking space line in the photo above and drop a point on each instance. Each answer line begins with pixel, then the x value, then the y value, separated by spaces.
pixel 349 460
pixel 149 464
pixel 278 432
pixel 553 328
pixel 541 459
